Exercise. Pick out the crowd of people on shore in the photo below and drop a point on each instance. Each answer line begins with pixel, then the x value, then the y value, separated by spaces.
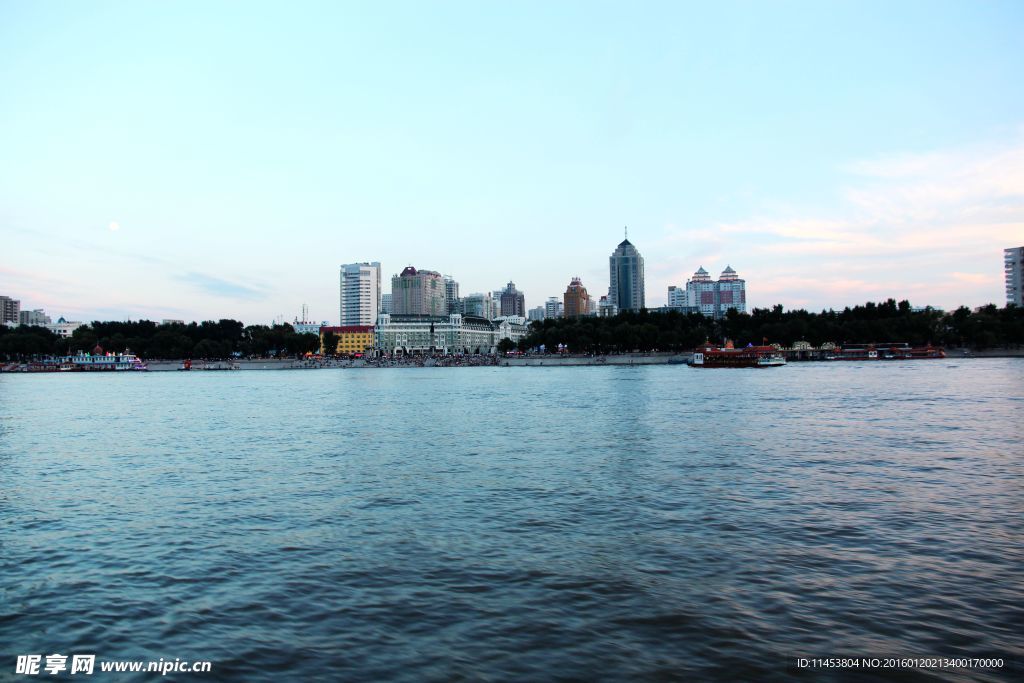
pixel 429 361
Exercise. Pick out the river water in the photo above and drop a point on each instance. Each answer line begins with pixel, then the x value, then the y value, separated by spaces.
pixel 590 523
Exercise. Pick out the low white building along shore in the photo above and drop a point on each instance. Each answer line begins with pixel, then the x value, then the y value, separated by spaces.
pixel 64 328
pixel 452 334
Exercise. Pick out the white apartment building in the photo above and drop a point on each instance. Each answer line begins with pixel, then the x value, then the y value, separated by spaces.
pixel 554 307
pixel 1013 271
pixel 34 318
pixel 359 294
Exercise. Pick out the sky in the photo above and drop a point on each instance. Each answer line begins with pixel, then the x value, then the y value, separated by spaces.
pixel 206 160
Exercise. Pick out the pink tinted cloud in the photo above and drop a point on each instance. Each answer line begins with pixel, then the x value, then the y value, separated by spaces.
pixel 929 226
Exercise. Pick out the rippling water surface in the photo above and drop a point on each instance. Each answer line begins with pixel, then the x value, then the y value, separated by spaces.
pixel 601 523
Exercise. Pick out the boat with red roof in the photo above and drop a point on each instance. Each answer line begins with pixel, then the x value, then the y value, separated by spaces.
pixel 750 356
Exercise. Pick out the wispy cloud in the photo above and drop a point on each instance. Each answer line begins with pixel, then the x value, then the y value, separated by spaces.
pixel 929 225
pixel 219 287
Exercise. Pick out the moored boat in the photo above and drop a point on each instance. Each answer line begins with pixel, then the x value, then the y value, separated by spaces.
pixel 98 361
pixel 708 356
pixel 887 351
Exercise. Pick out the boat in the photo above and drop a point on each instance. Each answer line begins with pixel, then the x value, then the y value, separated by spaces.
pixel 887 351
pixel 708 356
pixel 100 361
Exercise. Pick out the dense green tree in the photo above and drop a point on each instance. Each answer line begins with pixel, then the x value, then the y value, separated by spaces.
pixel 887 321
pixel 330 343
pixel 25 342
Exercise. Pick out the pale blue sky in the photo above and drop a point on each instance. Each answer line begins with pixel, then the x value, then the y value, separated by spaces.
pixel 831 152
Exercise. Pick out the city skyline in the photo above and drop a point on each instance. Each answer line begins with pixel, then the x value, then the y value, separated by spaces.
pixel 231 181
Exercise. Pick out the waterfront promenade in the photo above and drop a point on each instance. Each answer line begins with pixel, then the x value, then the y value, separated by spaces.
pixel 538 360
pixel 532 360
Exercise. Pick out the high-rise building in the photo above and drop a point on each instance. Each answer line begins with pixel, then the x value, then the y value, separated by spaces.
pixel 626 278
pixel 385 302
pixel 732 292
pixel 606 309
pixel 479 305
pixel 535 313
pixel 576 299
pixel 714 298
pixel 553 307
pixel 496 303
pixel 676 297
pixel 9 310
pixel 513 302
pixel 451 293
pixel 360 293
pixel 1013 269
pixel 418 292
pixel 34 318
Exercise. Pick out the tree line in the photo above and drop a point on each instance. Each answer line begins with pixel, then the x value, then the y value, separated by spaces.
pixel 985 328
pixel 888 321
pixel 209 339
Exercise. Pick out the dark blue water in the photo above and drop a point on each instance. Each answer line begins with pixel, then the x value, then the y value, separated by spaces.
pixel 651 523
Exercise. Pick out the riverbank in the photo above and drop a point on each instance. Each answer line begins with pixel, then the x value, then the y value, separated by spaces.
pixel 552 360
pixel 541 360
pixel 245 364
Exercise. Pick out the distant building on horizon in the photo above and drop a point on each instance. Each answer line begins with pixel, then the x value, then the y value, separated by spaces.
pixel 64 328
pixel 418 292
pixel 535 314
pixel 676 297
pixel 10 310
pixel 478 305
pixel 451 293
pixel 385 302
pixel 712 298
pixel 309 326
pixel 626 278
pixel 34 318
pixel 496 303
pixel 359 293
pixel 605 308
pixel 554 307
pixel 1013 271
pixel 513 302
pixel 576 301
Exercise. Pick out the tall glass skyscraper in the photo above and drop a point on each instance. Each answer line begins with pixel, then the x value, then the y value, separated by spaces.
pixel 626 278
